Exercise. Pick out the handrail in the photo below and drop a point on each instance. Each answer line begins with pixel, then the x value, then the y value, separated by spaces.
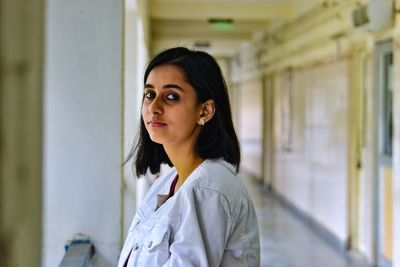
pixel 78 252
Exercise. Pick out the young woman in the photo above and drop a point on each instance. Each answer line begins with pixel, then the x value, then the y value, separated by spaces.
pixel 200 213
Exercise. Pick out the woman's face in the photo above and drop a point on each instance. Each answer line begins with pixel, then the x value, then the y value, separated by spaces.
pixel 170 107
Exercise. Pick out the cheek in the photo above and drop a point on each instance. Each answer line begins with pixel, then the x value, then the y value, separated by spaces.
pixel 145 115
pixel 144 109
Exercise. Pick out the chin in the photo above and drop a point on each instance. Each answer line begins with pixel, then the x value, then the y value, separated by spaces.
pixel 156 139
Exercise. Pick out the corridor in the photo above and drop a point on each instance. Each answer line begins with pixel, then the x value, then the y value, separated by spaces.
pixel 314 90
pixel 288 242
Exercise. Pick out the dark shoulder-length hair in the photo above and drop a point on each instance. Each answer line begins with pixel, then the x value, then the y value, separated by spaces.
pixel 217 138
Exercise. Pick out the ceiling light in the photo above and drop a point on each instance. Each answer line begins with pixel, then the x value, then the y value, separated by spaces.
pixel 220 24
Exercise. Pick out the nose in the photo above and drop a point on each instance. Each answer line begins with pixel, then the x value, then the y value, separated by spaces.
pixel 155 106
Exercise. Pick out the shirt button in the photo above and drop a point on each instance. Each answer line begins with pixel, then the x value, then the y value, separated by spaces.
pixel 150 243
pixel 136 247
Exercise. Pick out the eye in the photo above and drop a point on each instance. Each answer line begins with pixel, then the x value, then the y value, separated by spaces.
pixel 149 95
pixel 173 97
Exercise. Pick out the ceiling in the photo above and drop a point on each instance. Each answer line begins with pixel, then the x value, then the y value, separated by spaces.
pixel 186 22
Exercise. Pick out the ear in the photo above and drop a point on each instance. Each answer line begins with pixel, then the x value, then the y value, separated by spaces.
pixel 207 111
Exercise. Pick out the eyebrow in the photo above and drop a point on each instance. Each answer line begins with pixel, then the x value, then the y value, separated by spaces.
pixel 167 86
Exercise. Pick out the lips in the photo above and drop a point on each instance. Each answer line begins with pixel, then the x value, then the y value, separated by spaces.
pixel 156 123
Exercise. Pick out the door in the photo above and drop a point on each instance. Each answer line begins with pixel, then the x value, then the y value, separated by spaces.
pixel 384 145
pixel 268 133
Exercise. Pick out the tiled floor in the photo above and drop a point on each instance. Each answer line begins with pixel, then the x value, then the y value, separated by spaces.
pixel 288 242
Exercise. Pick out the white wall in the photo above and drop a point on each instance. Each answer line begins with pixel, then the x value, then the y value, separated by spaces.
pixel 83 126
pixel 130 112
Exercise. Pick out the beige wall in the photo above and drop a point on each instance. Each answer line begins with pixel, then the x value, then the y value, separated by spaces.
pixel 367 178
pixel 311 171
pixel 387 236
pixel 21 46
pixel 249 99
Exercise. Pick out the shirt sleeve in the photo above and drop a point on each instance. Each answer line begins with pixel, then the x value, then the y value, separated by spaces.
pixel 205 226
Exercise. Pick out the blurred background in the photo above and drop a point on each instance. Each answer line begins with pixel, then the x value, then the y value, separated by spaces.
pixel 315 93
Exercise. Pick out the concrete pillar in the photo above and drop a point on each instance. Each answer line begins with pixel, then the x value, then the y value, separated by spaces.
pixel 21 64
pixel 83 148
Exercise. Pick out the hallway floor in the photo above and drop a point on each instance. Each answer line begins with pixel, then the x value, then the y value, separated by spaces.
pixel 288 242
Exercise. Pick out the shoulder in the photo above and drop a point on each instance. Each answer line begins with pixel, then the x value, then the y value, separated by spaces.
pixel 216 177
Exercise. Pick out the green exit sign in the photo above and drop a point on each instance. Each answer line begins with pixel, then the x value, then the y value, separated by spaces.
pixel 221 24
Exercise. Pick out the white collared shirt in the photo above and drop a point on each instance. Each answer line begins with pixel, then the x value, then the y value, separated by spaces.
pixel 210 221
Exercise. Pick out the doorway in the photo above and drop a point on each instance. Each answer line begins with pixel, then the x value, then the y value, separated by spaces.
pixel 383 148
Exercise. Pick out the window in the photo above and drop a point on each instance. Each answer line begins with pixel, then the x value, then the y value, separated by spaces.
pixel 387 105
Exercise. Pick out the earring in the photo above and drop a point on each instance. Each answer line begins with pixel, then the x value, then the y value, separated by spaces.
pixel 201 121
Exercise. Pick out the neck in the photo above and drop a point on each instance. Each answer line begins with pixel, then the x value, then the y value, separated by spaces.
pixel 185 162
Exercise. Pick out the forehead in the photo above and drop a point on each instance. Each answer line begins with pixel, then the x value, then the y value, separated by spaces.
pixel 166 73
